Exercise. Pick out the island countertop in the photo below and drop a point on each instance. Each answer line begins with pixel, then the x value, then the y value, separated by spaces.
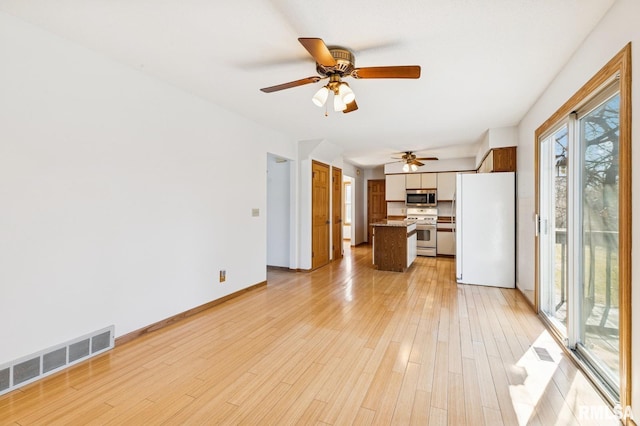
pixel 394 244
pixel 399 223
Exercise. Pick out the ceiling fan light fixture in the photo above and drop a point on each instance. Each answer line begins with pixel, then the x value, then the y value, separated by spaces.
pixel 405 168
pixel 338 103
pixel 346 93
pixel 321 96
pixel 414 168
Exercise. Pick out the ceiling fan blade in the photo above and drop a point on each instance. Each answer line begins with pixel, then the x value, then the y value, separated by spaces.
pixel 291 84
pixel 319 51
pixel 427 158
pixel 417 163
pixel 351 106
pixel 402 71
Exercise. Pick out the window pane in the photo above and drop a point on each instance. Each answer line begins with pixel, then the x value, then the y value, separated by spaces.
pixel 561 160
pixel 553 232
pixel 347 203
pixel 599 132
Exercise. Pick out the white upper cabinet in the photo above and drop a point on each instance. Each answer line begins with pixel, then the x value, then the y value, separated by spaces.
pixel 395 189
pixel 446 186
pixel 414 181
pixel 422 180
pixel 429 180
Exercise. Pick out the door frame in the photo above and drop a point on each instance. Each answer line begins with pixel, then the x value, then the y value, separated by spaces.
pixel 336 213
pixel 327 214
pixel 369 219
pixel 620 66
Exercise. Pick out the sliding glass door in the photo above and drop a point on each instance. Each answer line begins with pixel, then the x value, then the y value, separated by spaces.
pixel 599 331
pixel 553 227
pixel 578 229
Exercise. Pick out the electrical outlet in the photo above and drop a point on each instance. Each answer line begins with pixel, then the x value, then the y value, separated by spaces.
pixel 223 275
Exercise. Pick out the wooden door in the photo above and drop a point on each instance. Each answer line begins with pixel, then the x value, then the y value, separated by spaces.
pixel 376 204
pixel 336 213
pixel 320 214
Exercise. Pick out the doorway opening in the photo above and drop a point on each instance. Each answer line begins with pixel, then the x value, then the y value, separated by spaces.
pixel 279 211
pixel 348 202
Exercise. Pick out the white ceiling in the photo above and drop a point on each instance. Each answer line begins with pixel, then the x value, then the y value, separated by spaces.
pixel 484 62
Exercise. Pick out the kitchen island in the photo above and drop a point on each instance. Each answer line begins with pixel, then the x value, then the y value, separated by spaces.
pixel 394 244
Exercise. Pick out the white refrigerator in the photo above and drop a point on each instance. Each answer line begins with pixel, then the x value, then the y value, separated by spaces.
pixel 486 229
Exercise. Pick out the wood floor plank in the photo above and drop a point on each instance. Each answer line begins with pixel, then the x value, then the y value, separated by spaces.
pixel 353 403
pixel 342 386
pixel 485 379
pixel 387 405
pixel 492 417
pixel 440 397
pixel 421 409
pixel 456 409
pixel 437 417
pixel 404 406
pixel 364 417
pixel 472 396
pixel 501 385
pixel 344 344
pixel 255 411
pixel 381 377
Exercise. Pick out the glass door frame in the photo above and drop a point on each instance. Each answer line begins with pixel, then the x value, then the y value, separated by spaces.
pixel 575 340
pixel 547 226
pixel 618 67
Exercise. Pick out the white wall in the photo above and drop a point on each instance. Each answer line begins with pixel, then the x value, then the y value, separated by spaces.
pixel 278 211
pixel 618 27
pixel 121 199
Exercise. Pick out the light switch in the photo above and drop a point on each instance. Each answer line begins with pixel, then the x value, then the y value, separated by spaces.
pixel 255 212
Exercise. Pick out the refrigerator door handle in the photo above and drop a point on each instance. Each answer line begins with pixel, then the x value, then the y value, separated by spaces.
pixel 453 212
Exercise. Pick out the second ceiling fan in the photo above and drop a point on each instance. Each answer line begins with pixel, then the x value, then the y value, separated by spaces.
pixel 336 63
pixel 412 162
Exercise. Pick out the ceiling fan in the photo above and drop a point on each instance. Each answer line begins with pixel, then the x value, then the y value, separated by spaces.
pixel 411 162
pixel 336 63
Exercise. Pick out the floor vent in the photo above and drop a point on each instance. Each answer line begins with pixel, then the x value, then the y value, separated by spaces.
pixel 543 354
pixel 41 364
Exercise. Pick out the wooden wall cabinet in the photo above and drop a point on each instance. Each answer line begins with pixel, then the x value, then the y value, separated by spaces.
pixel 499 160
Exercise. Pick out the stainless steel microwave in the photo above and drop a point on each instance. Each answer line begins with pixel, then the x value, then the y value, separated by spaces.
pixel 421 198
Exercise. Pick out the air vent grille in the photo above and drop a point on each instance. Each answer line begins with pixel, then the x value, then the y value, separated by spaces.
pixel 36 366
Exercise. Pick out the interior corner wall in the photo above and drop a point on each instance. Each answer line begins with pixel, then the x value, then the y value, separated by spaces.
pixel 618 27
pixel 119 204
pixel 498 137
pixel 360 210
pixel 304 211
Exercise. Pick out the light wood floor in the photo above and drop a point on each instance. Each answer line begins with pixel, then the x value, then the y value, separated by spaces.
pixel 342 345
